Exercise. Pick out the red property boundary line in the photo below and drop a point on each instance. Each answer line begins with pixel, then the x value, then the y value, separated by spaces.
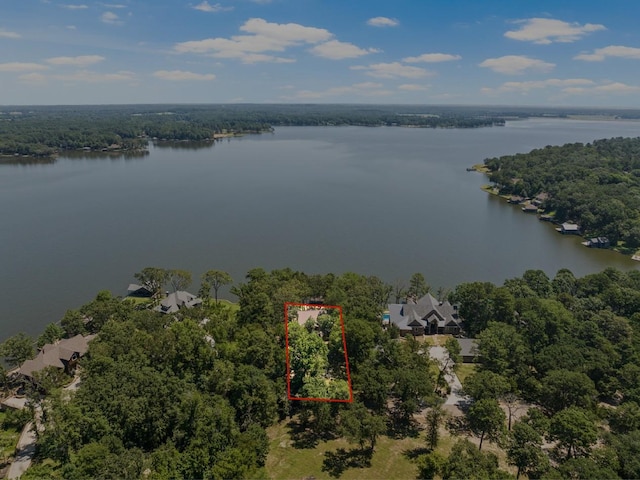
pixel 344 346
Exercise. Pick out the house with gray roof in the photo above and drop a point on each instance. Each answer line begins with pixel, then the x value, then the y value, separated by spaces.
pixel 468 349
pixel 63 355
pixel 426 316
pixel 176 301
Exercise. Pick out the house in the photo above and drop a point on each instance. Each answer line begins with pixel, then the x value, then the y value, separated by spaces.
pixel 135 290
pixel 63 355
pixel 176 301
pixel 539 199
pixel 569 229
pixel 468 349
pixel 426 316
pixel 515 199
pixel 530 208
pixel 597 242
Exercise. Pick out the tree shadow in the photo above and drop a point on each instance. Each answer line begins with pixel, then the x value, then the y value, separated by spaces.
pixel 303 436
pixel 401 427
pixel 413 453
pixel 335 463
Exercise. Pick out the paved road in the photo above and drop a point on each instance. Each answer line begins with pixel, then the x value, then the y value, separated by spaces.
pixel 455 398
pixel 26 449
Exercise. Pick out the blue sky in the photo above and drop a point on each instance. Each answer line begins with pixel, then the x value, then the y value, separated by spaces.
pixel 503 52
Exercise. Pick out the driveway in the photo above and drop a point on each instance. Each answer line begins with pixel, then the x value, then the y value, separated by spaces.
pixel 455 398
pixel 25 450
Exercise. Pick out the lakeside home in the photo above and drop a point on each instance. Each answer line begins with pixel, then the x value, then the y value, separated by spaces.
pixel 426 316
pixel 569 229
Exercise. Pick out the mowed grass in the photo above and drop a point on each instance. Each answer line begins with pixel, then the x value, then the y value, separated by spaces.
pixel 391 458
pixel 463 370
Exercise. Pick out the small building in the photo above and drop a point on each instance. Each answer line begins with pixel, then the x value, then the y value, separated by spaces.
pixel 539 199
pixel 310 314
pixel 515 199
pixel 569 229
pixel 176 301
pixel 597 242
pixel 468 350
pixel 426 316
pixel 135 290
pixel 530 208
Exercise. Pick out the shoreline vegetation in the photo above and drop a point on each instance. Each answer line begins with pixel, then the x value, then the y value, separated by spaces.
pixel 49 131
pixel 552 391
pixel 595 186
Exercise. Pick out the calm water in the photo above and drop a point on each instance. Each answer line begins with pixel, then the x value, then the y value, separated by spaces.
pixel 380 201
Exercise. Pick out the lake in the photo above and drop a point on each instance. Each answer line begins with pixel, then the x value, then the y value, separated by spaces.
pixel 377 201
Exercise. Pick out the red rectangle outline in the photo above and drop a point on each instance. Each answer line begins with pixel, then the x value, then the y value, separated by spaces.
pixel 344 346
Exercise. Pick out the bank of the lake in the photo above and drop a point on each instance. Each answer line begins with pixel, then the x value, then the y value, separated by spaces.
pixel 379 201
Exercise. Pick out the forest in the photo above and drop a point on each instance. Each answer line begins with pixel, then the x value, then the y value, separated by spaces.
pixel 596 185
pixel 46 131
pixel 554 391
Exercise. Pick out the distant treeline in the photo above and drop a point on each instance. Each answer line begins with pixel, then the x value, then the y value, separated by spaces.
pixel 46 131
pixel 596 185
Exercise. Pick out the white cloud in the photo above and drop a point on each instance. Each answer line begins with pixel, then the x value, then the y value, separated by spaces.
pixel 393 70
pixel 74 6
pixel 96 77
pixel 34 78
pixel 526 86
pixel 80 61
pixel 599 54
pixel 110 18
pixel 286 32
pixel 7 34
pixel 21 67
pixel 207 7
pixel 70 27
pixel 383 22
pixel 432 58
pixel 366 89
pixel 336 50
pixel 179 75
pixel 413 87
pixel 113 5
pixel 547 30
pixel 516 65
pixel 611 88
pixel 263 37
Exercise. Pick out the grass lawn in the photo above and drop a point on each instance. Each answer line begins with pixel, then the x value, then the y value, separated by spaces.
pixel 463 370
pixel 234 306
pixel 8 440
pixel 391 458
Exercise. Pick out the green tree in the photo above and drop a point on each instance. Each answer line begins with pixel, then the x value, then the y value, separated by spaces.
pixel 485 384
pixel 430 465
pixel 17 349
pixel 51 334
pixel 418 286
pixel 564 388
pixel 153 278
pixel 359 425
pixel 486 418
pixel 216 279
pixel 525 450
pixel 434 419
pixel 179 279
pixel 574 430
pixel 466 461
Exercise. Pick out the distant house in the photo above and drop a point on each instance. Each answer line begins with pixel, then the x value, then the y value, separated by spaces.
pixel 426 316
pixel 540 198
pixel 515 199
pixel 176 301
pixel 530 208
pixel 135 290
pixel 468 349
pixel 597 242
pixel 569 229
pixel 63 355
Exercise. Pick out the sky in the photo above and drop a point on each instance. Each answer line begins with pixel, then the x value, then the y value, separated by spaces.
pixel 469 52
